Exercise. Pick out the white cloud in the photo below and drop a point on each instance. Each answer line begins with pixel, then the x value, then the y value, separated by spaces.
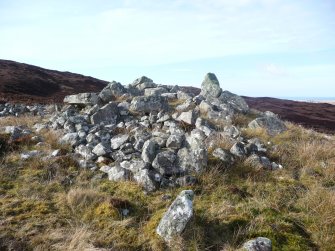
pixel 128 33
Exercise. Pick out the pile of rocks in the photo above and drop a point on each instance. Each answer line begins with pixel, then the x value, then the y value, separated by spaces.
pixel 9 109
pixel 156 135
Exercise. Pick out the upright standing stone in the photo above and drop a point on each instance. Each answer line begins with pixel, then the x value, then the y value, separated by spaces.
pixel 211 86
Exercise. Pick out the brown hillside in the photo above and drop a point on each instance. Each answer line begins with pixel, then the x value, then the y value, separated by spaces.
pixel 27 83
pixel 319 116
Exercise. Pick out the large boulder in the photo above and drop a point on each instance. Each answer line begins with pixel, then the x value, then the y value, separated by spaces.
pixel 82 99
pixel 85 152
pixel 118 140
pixel 175 141
pixel 155 91
pixel 108 114
pixel 148 179
pixel 194 156
pixel 270 122
pixel 236 102
pixel 258 244
pixel 117 173
pixel 192 160
pixel 165 163
pixel 70 138
pixel 188 117
pixel 210 87
pixel 112 91
pixel 101 149
pixel 141 80
pixel 147 104
pixel 177 216
pixel 149 150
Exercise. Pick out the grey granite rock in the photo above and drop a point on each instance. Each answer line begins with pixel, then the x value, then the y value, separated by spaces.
pixel 177 216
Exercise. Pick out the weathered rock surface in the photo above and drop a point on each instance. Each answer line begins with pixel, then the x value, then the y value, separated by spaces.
pixel 147 104
pixel 165 163
pixel 117 173
pixel 112 91
pixel 210 87
pixel 177 216
pixel 223 155
pixel 270 122
pixel 149 150
pixel 258 244
pixel 82 99
pixel 107 114
pixel 118 140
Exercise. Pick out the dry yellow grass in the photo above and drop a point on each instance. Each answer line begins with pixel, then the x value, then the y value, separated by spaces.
pixel 79 199
pixel 24 120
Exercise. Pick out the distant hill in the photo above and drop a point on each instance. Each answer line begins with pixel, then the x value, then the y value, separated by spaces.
pixel 30 84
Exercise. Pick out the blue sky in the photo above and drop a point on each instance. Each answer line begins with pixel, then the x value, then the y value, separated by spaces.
pixel 255 47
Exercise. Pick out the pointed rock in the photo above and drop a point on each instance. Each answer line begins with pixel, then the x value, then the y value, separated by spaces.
pixel 211 86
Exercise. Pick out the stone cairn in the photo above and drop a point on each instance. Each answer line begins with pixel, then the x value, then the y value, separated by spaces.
pixel 158 136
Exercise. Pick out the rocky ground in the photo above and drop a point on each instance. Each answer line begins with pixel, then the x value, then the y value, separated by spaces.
pixel 151 167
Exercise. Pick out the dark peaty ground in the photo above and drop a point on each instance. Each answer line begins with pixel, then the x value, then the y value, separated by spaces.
pixel 319 116
pixel 30 84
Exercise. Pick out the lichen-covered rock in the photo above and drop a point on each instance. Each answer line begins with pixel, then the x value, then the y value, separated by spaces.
pixel 165 163
pixel 270 122
pixel 117 173
pixel 154 91
pixel 147 104
pixel 238 149
pixel 141 80
pixel 223 155
pixel 118 140
pixel 101 149
pixel 192 160
pixel 196 139
pixel 85 152
pixel 149 150
pixel 188 117
pixel 108 114
pixel 134 165
pixel 236 102
pixel 70 138
pixel 148 179
pixel 258 244
pixel 175 141
pixel 177 216
pixel 187 105
pixel 82 99
pixel 112 91
pixel 210 87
